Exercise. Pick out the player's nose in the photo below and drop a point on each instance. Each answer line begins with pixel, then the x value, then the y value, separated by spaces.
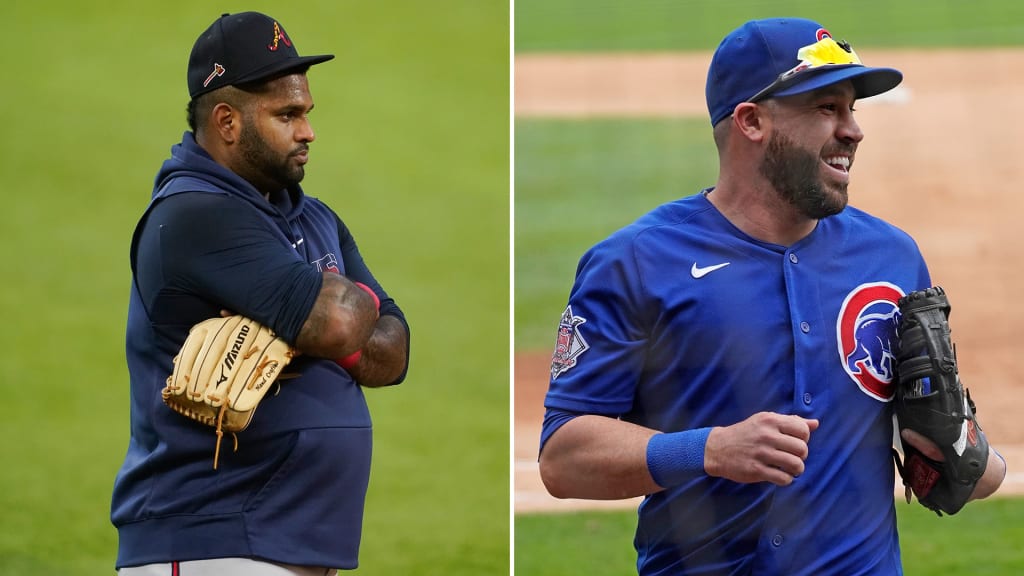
pixel 304 132
pixel 848 130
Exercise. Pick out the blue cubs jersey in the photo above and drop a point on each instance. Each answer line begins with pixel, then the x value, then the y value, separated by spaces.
pixel 681 321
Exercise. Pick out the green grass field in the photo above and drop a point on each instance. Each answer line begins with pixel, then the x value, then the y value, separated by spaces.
pixel 412 150
pixel 601 543
pixel 646 25
pixel 578 180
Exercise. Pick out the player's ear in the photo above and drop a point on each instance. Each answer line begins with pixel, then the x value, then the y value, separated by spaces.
pixel 750 119
pixel 226 121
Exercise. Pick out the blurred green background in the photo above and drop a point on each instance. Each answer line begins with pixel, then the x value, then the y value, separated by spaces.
pixel 412 151
pixel 578 180
pixel 649 25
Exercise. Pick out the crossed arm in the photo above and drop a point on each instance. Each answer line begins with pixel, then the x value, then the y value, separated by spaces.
pixel 194 263
pixel 345 319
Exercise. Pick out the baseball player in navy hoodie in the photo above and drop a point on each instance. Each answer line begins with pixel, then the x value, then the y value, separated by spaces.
pixel 229 228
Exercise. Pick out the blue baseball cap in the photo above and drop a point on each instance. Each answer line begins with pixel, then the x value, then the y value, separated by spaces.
pixel 782 57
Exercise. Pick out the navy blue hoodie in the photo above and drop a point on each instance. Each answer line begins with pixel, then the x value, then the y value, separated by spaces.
pixel 294 489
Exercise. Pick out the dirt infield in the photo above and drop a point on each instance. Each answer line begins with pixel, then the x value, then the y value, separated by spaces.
pixel 940 160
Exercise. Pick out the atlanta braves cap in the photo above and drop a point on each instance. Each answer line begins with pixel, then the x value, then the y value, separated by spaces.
pixel 240 48
pixel 782 57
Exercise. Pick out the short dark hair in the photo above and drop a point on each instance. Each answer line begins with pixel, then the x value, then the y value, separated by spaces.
pixel 190 114
pixel 200 107
pixel 236 95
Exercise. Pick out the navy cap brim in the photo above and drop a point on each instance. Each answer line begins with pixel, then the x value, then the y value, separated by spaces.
pixel 867 81
pixel 280 68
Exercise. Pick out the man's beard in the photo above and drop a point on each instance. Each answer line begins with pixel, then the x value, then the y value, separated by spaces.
pixel 266 164
pixel 795 174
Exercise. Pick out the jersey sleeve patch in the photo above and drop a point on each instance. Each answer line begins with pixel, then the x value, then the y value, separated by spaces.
pixel 569 344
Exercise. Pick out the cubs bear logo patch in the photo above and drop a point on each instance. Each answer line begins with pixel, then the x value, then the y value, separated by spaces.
pixel 866 330
pixel 569 344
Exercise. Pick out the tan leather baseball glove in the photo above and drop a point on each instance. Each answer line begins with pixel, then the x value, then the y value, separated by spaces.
pixel 224 369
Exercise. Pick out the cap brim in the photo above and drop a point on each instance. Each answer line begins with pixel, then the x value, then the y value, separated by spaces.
pixel 280 68
pixel 867 81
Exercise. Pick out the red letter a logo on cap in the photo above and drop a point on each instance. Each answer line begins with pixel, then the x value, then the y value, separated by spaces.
pixel 278 36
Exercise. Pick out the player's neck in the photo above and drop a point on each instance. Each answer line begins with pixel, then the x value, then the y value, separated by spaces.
pixel 760 213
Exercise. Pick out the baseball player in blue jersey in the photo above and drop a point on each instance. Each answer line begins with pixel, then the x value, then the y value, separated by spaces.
pixel 729 355
pixel 229 228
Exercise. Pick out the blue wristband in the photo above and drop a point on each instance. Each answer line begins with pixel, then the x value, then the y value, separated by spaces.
pixel 677 457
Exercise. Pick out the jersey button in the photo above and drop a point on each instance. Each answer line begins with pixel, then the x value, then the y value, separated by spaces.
pixel 807 398
pixel 793 258
pixel 805 327
pixel 777 540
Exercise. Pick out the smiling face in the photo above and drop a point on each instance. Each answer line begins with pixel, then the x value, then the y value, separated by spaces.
pixel 811 147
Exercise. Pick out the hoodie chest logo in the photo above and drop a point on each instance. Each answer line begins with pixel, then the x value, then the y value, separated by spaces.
pixel 327 264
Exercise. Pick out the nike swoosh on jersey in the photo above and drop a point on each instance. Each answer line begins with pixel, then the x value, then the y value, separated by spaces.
pixel 698 272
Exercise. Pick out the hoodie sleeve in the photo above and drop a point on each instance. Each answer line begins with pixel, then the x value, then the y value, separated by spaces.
pixel 199 253
pixel 357 271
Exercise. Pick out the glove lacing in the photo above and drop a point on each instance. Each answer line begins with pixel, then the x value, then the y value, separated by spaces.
pixel 220 425
pixel 220 434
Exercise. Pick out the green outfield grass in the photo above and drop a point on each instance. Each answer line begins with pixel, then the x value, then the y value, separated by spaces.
pixel 412 150
pixel 601 543
pixel 612 25
pixel 576 182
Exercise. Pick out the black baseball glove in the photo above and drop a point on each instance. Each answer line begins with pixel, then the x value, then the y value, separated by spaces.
pixel 931 401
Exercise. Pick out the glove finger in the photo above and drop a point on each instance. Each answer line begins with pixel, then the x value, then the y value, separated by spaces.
pixel 216 358
pixel 185 377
